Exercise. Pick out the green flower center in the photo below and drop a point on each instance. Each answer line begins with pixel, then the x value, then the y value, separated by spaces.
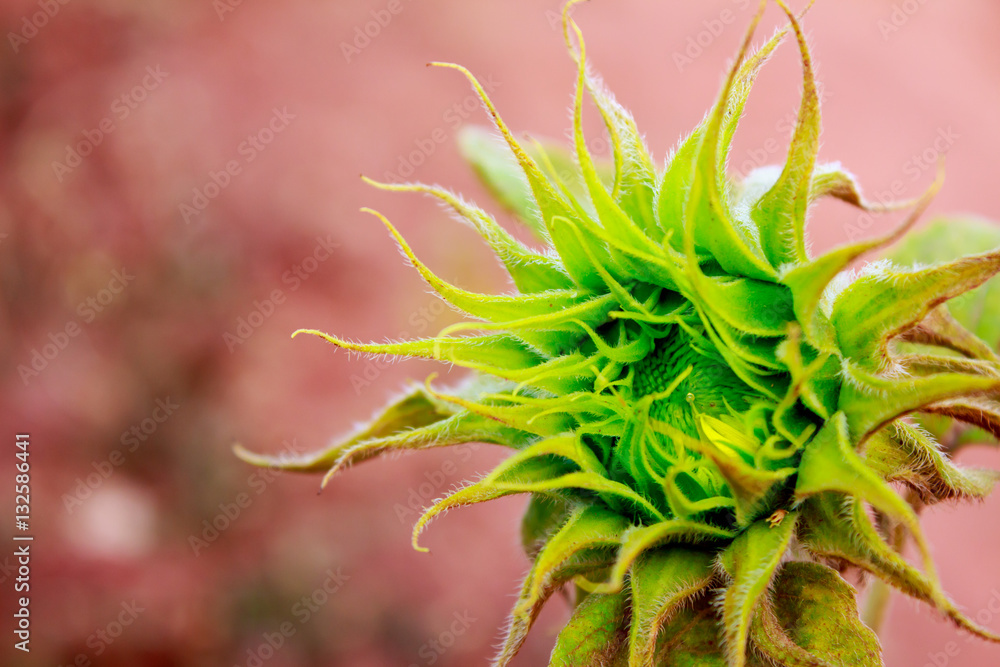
pixel 710 388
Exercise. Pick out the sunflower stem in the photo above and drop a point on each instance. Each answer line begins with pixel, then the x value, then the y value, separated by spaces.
pixel 877 606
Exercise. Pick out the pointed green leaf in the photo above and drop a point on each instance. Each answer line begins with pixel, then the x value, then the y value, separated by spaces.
pixel 552 465
pixel 551 203
pixel 635 175
pixel 871 401
pixel 530 271
pixel 502 355
pixel 675 185
pixel 750 561
pixel 781 213
pixel 488 306
pixel 499 171
pixel 662 582
pixel 830 463
pixel 583 545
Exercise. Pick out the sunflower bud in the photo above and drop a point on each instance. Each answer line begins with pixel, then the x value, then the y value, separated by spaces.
pixel 701 410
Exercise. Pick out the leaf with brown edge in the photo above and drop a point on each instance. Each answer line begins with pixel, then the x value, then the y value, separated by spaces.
pixel 979 411
pixel 597 634
pixel 904 453
pixel 871 401
pixel 693 638
pixel 416 420
pixel 940 328
pixel 883 304
pixel 836 527
pixel 812 621
pixel 945 239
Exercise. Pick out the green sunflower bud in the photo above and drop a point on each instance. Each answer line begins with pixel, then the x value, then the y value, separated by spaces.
pixel 701 410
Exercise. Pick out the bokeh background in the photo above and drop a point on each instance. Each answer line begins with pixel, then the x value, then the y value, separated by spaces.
pixel 154 545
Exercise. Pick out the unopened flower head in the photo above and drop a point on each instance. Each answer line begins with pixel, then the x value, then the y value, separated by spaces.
pixel 700 408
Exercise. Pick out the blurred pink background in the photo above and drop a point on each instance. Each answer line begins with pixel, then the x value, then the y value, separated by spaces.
pixel 135 205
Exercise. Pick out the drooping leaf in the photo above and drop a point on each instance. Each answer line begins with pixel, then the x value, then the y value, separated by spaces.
pixel 583 544
pixel 812 621
pixel 903 453
pixel 834 526
pixel 414 413
pixel 829 463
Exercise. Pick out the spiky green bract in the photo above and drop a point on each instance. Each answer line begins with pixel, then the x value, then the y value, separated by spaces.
pixel 701 410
